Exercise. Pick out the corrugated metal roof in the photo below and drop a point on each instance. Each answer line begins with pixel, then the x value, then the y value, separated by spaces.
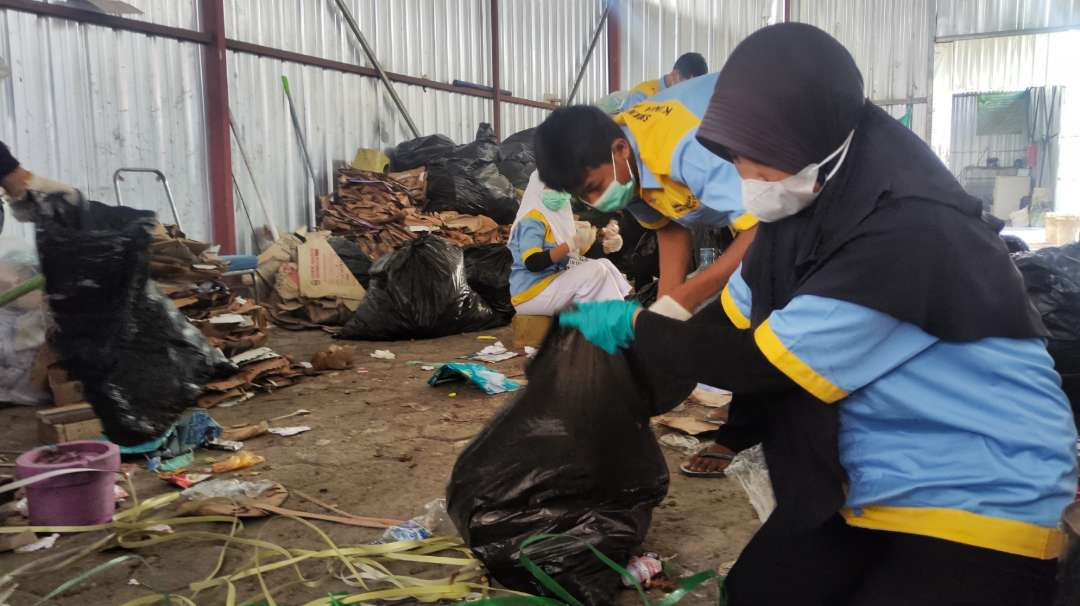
pixel 655 32
pixel 83 101
pixel 959 17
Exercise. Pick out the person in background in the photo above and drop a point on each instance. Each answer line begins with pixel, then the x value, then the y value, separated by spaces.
pixel 648 160
pixel 27 190
pixel 918 441
pixel 689 65
pixel 550 271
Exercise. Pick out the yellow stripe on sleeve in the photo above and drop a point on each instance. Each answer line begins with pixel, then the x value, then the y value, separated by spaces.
pixel 744 222
pixel 796 370
pixel 732 310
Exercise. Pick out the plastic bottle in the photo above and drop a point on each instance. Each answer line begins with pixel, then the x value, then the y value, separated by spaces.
pixel 644 568
pixel 433 521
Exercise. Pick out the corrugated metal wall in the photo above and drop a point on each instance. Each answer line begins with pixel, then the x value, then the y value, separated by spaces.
pixel 655 32
pixel 959 17
pixel 890 40
pixel 83 101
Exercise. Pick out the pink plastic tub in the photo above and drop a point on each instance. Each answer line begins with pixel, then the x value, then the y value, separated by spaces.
pixel 76 499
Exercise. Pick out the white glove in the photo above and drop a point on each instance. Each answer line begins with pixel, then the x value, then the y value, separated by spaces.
pixel 43 195
pixel 584 237
pixel 612 244
pixel 670 308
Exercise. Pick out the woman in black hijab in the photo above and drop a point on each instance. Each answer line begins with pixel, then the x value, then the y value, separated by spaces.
pixel 879 343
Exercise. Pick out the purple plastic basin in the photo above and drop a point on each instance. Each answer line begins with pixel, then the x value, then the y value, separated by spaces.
pixel 75 499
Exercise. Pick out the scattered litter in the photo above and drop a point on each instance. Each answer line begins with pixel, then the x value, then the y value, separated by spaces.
pixel 226 445
pixel 289 431
pixel 427 367
pixel 452 394
pixel 155 463
pixel 335 357
pixel 530 351
pixel 299 412
pixel 383 354
pixel 643 568
pixel 691 425
pixel 361 371
pixel 305 365
pixel 713 397
pixel 232 319
pixel 133 581
pixel 493 353
pixel 752 472
pixel 40 544
pixel 244 397
pixel 185 479
pixel 254 355
pixel 11 542
pixel 240 460
pixel 119 493
pixel 431 522
pixel 22 507
pixel 487 338
pixel 483 377
pixel 245 432
pixel 228 489
pixel 681 442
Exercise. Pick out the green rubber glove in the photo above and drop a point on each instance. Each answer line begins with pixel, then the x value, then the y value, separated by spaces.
pixel 608 325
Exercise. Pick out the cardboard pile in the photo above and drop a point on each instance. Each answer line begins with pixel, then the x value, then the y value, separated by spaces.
pixel 261 369
pixel 380 212
pixel 312 287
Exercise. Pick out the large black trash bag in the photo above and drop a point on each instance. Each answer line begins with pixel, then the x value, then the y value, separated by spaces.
pixel 517 158
pixel 418 292
pixel 467 180
pixel 1052 278
pixel 139 359
pixel 420 152
pixel 571 454
pixel 487 269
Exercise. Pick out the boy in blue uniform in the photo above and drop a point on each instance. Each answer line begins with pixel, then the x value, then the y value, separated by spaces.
pixel 648 160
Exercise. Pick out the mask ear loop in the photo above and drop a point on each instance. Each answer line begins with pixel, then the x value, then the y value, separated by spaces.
pixel 842 150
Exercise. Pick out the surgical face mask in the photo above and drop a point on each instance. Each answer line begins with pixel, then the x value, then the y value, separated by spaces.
pixel 617 195
pixel 555 200
pixel 774 200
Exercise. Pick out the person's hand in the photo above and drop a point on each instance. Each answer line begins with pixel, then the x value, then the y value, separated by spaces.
pixel 39 195
pixel 584 237
pixel 608 325
pixel 668 307
pixel 612 244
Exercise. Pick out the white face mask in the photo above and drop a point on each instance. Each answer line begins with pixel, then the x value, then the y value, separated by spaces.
pixel 774 200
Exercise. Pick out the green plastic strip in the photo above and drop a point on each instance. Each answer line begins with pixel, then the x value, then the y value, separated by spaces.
pixel 685 585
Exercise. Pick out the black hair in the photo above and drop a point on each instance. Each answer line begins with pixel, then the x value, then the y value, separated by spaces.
pixel 571 141
pixel 691 65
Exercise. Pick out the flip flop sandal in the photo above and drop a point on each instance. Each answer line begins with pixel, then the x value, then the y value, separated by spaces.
pixel 705 454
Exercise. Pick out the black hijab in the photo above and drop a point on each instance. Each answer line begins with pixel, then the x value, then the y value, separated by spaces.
pixel 892 230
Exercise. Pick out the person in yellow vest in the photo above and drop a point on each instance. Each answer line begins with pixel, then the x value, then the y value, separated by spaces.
pixel 648 160
pixel 689 65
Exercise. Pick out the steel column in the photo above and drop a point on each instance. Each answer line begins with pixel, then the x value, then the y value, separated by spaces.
pixel 222 213
pixel 496 71
pixel 589 52
pixel 614 53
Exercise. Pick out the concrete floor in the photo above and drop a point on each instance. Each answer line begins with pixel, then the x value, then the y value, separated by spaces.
pixel 383 444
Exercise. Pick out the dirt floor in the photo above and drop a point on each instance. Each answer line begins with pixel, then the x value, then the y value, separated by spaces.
pixel 383 443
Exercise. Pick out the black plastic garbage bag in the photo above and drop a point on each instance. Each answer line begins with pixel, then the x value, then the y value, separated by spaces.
pixel 573 454
pixel 420 152
pixel 139 359
pixel 354 257
pixel 418 292
pixel 1052 278
pixel 517 158
pixel 487 269
pixel 467 180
